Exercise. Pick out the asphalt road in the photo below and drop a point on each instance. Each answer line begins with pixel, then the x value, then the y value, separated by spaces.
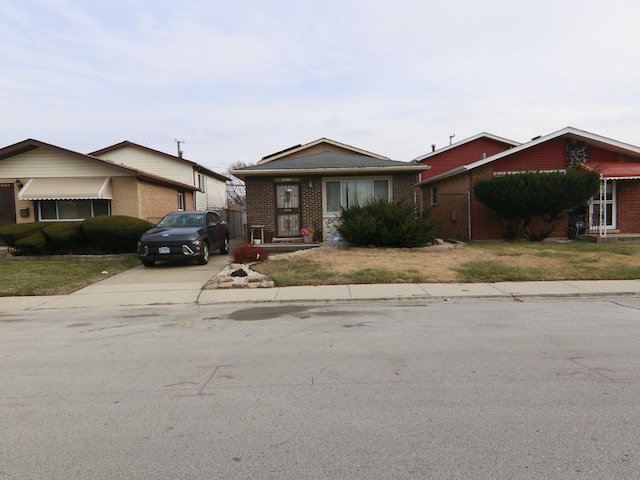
pixel 451 390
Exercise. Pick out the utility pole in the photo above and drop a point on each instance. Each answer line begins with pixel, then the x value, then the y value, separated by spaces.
pixel 178 142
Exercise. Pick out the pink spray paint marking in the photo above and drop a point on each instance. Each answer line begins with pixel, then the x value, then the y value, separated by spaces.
pixel 215 374
pixel 601 373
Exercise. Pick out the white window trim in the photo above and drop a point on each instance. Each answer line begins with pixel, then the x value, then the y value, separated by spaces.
pixel 39 209
pixel 614 206
pixel 180 201
pixel 350 179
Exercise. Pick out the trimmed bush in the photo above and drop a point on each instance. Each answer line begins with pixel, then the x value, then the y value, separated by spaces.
pixel 249 253
pixel 381 223
pixel 115 233
pixel 10 234
pixel 34 244
pixel 64 236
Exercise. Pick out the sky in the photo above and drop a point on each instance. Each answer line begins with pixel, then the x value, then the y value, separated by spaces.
pixel 240 80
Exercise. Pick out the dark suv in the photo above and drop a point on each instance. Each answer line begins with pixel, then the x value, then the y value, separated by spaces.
pixel 184 235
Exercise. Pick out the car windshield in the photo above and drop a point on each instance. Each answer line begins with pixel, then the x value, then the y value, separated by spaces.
pixel 182 220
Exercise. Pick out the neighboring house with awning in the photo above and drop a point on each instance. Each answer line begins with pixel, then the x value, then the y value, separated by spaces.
pixel 211 193
pixel 305 187
pixel 613 212
pixel 43 182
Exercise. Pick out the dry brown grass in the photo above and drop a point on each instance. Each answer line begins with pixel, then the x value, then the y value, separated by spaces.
pixel 477 262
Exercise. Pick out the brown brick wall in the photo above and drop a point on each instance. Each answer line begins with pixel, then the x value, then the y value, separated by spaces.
pixel 404 187
pixel 451 211
pixel 261 208
pixel 261 201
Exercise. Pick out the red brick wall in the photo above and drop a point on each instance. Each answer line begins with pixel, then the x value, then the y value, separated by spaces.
pixel 628 192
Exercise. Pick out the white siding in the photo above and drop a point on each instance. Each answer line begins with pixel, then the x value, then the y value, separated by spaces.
pixel 175 169
pixel 45 163
pixel 215 194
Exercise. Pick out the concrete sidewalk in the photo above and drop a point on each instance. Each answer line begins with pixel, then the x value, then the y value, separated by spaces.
pixel 111 293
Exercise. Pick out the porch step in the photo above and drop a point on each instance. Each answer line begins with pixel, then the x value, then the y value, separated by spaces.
pixel 287 240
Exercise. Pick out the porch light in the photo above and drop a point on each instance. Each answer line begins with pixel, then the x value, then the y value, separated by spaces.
pixel 19 184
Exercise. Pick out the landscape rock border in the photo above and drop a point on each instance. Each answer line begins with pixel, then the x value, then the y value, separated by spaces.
pixel 236 275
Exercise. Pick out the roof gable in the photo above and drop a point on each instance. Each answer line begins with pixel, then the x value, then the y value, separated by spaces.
pixel 127 144
pixel 566 133
pixel 317 146
pixel 483 135
pixel 30 144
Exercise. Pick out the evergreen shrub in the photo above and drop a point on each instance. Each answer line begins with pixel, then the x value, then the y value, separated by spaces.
pixel 381 223
pixel 64 236
pixel 114 233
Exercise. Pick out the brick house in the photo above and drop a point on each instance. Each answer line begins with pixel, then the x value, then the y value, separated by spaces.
pixel 614 212
pixel 305 187
pixel 39 182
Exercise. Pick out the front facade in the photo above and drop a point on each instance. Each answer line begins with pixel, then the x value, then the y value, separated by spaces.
pixel 42 182
pixel 306 186
pixel 211 192
pixel 614 210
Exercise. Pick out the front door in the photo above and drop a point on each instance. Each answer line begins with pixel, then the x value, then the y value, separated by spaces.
pixel 603 207
pixel 7 204
pixel 287 210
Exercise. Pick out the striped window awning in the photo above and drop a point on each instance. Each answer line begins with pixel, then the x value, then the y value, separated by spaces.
pixel 77 188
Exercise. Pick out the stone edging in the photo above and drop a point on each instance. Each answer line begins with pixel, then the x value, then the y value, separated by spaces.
pixel 238 275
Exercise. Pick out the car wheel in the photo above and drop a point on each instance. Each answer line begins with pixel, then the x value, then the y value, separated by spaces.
pixel 225 246
pixel 203 259
pixel 148 263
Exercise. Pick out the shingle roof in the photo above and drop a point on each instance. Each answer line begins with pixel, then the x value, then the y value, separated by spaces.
pixel 328 162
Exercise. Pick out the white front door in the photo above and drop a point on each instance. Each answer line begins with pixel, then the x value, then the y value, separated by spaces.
pixel 602 210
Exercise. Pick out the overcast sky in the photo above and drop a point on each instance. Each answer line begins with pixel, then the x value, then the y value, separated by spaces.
pixel 240 80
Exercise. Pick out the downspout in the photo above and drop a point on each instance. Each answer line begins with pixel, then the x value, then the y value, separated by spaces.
pixel 469 212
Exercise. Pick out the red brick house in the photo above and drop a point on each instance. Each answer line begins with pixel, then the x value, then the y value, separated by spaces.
pixel 614 212
pixel 305 187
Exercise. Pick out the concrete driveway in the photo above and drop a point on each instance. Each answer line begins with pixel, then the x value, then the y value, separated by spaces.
pixel 164 283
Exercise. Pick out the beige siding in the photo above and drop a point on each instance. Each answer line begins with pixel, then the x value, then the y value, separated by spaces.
pixel 149 162
pixel 45 163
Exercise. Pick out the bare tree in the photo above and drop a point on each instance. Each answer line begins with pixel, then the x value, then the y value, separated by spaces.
pixel 236 191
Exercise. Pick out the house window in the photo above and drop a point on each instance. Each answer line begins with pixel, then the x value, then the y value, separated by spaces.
pixel 72 209
pixel 434 195
pixel 348 193
pixel 201 182
pixel 180 201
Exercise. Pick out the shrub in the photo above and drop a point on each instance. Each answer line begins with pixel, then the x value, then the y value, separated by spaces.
pixel 14 232
pixel 34 244
pixel 386 224
pixel 249 253
pixel 549 196
pixel 114 233
pixel 64 236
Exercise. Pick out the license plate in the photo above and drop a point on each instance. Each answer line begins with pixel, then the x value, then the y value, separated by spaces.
pixel 164 250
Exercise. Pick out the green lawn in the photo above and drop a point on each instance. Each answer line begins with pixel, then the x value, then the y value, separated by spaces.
pixel 56 277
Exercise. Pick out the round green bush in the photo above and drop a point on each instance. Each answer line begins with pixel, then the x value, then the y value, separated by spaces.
pixel 114 233
pixel 64 236
pixel 34 244
pixel 385 224
pixel 10 234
